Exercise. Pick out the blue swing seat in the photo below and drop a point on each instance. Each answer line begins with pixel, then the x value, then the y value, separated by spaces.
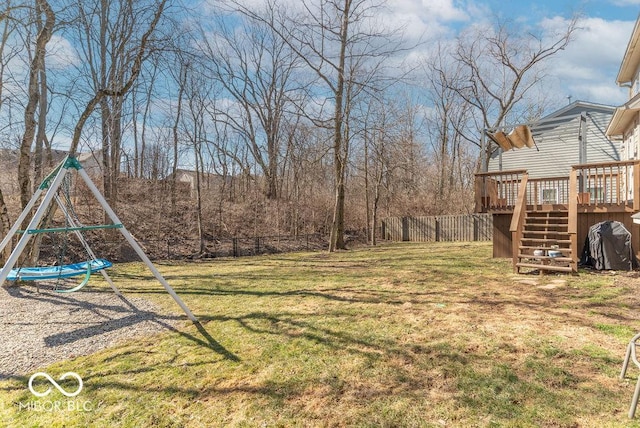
pixel 55 272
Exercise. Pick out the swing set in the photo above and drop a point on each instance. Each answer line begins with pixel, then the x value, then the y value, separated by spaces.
pixel 57 183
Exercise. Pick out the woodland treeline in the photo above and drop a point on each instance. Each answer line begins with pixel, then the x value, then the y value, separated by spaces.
pixel 294 117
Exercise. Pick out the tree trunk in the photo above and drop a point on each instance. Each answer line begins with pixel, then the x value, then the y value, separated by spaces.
pixel 199 222
pixel 181 87
pixel 336 239
pixel 24 164
pixel 5 225
pixel 39 158
pixel 367 201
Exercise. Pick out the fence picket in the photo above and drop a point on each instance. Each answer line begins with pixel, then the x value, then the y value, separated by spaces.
pixel 447 228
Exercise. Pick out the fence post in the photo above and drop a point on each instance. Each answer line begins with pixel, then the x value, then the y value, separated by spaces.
pixel 234 242
pixel 437 230
pixel 475 229
pixel 405 228
pixel 257 245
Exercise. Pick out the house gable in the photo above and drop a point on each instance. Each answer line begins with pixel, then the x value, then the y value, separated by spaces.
pixel 558 142
pixel 629 66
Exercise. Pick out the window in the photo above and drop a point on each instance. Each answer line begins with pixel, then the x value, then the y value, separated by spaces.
pixel 596 194
pixel 549 196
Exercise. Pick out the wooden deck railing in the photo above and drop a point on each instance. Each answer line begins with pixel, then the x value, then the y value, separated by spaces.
pixel 497 190
pixel 548 191
pixel 606 184
pixel 597 185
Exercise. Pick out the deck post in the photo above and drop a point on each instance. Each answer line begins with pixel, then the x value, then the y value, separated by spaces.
pixel 636 186
pixel 517 220
pixel 572 227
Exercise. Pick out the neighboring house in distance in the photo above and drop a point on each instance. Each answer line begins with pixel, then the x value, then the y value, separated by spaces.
pixel 91 162
pixel 9 159
pixel 189 177
pixel 186 176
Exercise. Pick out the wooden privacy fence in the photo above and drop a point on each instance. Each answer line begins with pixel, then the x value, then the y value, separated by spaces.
pixel 448 228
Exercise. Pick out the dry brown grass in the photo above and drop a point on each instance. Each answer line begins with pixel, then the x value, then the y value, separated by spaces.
pixel 400 335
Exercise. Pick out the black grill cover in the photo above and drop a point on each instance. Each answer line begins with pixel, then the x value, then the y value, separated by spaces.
pixel 608 247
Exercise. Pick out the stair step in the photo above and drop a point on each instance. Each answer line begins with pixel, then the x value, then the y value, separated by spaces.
pixel 538 247
pixel 545 267
pixel 563 225
pixel 546 219
pixel 545 224
pixel 548 241
pixel 546 232
pixel 557 259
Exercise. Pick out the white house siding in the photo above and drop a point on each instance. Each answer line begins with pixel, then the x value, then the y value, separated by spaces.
pixel 631 148
pixel 558 148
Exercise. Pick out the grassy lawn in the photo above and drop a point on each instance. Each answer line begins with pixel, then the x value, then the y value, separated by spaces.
pixel 400 335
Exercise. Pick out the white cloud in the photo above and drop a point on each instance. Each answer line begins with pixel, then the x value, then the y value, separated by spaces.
pixel 589 65
pixel 586 69
pixel 626 2
pixel 430 10
pixel 424 19
pixel 60 53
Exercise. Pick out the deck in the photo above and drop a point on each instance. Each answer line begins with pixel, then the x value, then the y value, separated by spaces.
pixel 590 193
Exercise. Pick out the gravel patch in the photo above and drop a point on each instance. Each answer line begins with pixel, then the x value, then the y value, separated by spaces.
pixel 40 327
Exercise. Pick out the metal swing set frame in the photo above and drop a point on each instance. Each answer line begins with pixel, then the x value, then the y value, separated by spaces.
pixel 49 188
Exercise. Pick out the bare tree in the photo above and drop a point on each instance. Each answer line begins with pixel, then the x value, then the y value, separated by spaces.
pixel 7 24
pixel 500 67
pixel 183 67
pixel 7 52
pixel 142 100
pixel 113 49
pixel 343 44
pixel 30 122
pixel 197 93
pixel 255 67
pixel 447 122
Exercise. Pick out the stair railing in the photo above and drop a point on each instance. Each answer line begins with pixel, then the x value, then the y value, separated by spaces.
pixel 573 218
pixel 517 221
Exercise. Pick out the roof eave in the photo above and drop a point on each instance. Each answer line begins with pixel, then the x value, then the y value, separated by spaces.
pixel 631 58
pixel 618 123
pixel 623 116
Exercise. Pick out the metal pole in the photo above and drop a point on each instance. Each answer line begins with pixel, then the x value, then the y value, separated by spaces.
pixel 134 244
pixel 582 140
pixel 33 224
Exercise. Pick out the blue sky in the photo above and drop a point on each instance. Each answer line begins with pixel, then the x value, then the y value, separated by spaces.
pixel 605 9
pixel 587 69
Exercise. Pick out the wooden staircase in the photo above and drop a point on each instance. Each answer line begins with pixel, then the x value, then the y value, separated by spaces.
pixel 545 243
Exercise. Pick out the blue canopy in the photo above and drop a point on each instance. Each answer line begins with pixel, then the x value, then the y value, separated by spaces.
pixel 55 272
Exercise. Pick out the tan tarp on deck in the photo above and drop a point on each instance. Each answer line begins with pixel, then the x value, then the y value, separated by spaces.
pixel 519 137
